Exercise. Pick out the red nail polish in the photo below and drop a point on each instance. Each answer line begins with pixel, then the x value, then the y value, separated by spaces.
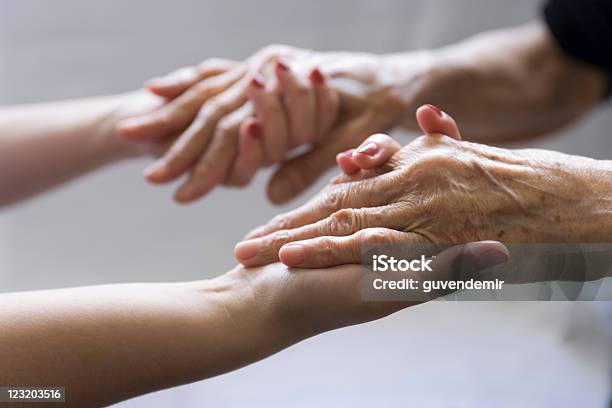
pixel 370 149
pixel 436 109
pixel 317 76
pixel 258 82
pixel 254 130
pixel 282 64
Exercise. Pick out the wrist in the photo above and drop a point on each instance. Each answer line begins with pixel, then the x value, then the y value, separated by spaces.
pixel 573 200
pixel 410 76
pixel 119 107
pixel 248 299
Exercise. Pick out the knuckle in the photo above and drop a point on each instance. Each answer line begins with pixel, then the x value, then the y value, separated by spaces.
pixel 333 197
pixel 344 222
pixel 327 252
pixel 278 239
pixel 281 222
pixel 225 127
pixel 203 88
pixel 202 170
pixel 212 63
pixel 374 236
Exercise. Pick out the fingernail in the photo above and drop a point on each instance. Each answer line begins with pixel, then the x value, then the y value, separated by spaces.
pixel 436 109
pixel 491 258
pixel 254 130
pixel 258 82
pixel 292 254
pixel 248 249
pixel 369 149
pixel 317 76
pixel 282 64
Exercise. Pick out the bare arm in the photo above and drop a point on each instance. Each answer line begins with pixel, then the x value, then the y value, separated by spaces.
pixel 501 85
pixel 44 145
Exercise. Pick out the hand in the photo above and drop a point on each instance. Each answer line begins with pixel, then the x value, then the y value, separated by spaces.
pixel 303 303
pixel 206 116
pixel 442 190
pixel 337 99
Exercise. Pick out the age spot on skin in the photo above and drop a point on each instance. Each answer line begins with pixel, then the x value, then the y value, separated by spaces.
pixel 500 233
pixel 557 218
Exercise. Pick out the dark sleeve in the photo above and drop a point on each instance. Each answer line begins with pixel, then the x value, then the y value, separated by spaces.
pixel 583 29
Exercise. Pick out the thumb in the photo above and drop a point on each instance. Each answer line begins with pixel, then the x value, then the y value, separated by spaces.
pixel 175 83
pixel 433 120
pixel 296 175
pixel 299 173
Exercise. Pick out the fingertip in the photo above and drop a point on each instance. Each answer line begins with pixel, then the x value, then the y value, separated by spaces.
pixel 292 255
pixel 282 65
pixel 188 193
pixel 432 119
pixel 258 82
pixel 317 77
pixel 346 163
pixel 246 250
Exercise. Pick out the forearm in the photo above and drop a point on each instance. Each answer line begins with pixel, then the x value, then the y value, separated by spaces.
pixel 501 86
pixel 44 145
pixel 109 343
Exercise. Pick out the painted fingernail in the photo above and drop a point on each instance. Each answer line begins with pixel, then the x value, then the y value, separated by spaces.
pixel 369 149
pixel 282 64
pixel 436 109
pixel 317 76
pixel 248 249
pixel 292 254
pixel 254 130
pixel 258 82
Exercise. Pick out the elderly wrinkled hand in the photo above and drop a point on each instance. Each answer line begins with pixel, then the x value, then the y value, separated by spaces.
pixel 440 190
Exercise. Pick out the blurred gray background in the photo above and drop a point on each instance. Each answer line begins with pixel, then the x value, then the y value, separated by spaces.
pixel 113 227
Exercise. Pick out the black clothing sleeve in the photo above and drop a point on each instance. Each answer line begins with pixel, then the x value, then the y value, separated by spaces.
pixel 583 29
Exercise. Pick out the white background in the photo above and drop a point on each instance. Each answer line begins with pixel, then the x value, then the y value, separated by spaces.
pixel 113 227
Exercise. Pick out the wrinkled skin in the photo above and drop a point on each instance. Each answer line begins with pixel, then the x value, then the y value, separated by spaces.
pixel 441 190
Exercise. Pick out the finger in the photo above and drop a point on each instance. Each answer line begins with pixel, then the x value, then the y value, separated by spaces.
pixel 299 173
pixel 352 194
pixel 432 120
pixel 264 250
pixel 250 153
pixel 327 103
pixel 346 163
pixel 175 116
pixel 175 83
pixel 461 263
pixel 299 98
pixel 269 109
pixel 375 151
pixel 190 145
pixel 215 163
pixel 327 251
